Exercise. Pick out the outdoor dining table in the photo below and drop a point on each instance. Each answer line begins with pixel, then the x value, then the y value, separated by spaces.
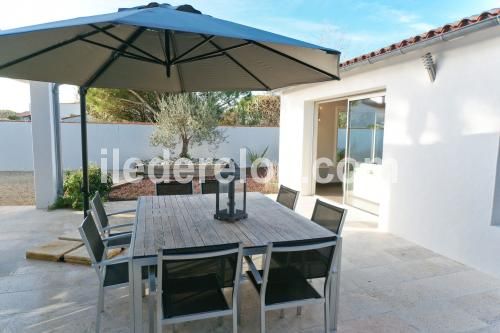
pixel 179 221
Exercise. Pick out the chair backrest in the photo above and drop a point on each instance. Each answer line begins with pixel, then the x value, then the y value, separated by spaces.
pixel 305 259
pixel 310 258
pixel 197 265
pixel 209 186
pixel 287 197
pixel 92 239
pixel 174 188
pixel 329 216
pixel 99 212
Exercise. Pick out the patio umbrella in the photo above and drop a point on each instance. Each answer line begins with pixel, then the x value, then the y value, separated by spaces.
pixel 163 48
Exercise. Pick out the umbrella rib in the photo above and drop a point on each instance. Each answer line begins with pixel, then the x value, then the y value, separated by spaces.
pixel 115 55
pixel 335 77
pixel 53 47
pixel 167 46
pixel 124 53
pixel 168 56
pixel 107 33
pixel 240 65
pixel 203 42
pixel 179 71
pixel 201 58
pixel 218 51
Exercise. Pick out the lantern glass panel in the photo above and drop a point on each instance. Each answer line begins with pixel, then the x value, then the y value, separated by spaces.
pixel 223 195
pixel 239 195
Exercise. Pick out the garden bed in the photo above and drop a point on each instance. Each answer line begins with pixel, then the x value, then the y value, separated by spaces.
pixel 131 191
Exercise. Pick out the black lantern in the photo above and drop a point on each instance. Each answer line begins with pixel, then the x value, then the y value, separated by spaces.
pixel 231 200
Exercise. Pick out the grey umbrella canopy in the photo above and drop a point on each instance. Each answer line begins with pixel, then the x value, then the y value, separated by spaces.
pixel 163 48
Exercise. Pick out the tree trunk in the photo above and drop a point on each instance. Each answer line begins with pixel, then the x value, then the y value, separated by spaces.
pixel 185 147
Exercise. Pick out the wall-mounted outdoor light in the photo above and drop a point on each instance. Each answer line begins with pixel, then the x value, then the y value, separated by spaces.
pixel 429 65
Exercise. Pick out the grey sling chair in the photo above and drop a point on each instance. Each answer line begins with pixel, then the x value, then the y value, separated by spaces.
pixel 174 188
pixel 209 186
pixel 284 284
pixel 118 239
pixel 329 216
pixel 191 282
pixel 112 273
pixel 287 197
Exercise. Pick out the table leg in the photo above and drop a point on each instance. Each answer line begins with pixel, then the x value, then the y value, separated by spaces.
pixel 335 287
pixel 135 271
pixel 131 295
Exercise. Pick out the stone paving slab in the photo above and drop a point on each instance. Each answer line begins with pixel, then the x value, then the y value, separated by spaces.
pixel 52 251
pixel 387 285
pixel 71 236
pixel 81 256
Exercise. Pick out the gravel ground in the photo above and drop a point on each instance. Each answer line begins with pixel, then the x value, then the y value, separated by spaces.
pixel 16 188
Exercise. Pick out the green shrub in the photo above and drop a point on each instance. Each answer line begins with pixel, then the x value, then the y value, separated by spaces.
pixel 253 155
pixel 73 196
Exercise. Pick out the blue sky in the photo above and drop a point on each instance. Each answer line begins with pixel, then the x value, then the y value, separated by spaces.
pixel 352 27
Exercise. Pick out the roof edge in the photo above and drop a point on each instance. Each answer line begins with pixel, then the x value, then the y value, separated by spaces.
pixel 445 33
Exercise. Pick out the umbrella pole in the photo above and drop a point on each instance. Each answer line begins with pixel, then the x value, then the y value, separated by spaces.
pixel 85 162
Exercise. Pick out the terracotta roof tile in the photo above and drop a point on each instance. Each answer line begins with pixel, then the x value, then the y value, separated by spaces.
pixel 426 35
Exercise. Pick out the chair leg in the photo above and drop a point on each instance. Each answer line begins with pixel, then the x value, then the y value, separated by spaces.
pixel 235 321
pixel 334 300
pixel 236 311
pixel 299 311
pixel 336 288
pixel 327 316
pixel 151 309
pixel 282 314
pixel 262 320
pixel 100 308
pixel 151 298
pixel 238 305
pixel 159 324
pixel 101 299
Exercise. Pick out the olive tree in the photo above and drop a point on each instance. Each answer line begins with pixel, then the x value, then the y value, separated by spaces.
pixel 143 106
pixel 187 119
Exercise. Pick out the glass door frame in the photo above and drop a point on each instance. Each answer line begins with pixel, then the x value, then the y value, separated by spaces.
pixel 376 92
pixel 348 130
pixel 314 150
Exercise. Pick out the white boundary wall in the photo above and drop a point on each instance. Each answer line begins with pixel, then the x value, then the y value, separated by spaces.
pixel 16 147
pixel 444 137
pixel 16 152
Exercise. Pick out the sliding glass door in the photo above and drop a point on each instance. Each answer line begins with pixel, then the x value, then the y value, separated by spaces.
pixel 365 134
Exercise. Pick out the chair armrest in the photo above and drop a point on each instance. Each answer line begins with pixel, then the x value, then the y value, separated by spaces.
pixel 109 227
pixel 114 261
pixel 122 212
pixel 121 240
pixel 253 270
pixel 122 235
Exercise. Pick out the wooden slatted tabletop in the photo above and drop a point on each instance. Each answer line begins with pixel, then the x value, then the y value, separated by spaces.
pixel 187 221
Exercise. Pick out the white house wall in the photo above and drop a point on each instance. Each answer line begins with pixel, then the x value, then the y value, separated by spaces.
pixel 441 144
